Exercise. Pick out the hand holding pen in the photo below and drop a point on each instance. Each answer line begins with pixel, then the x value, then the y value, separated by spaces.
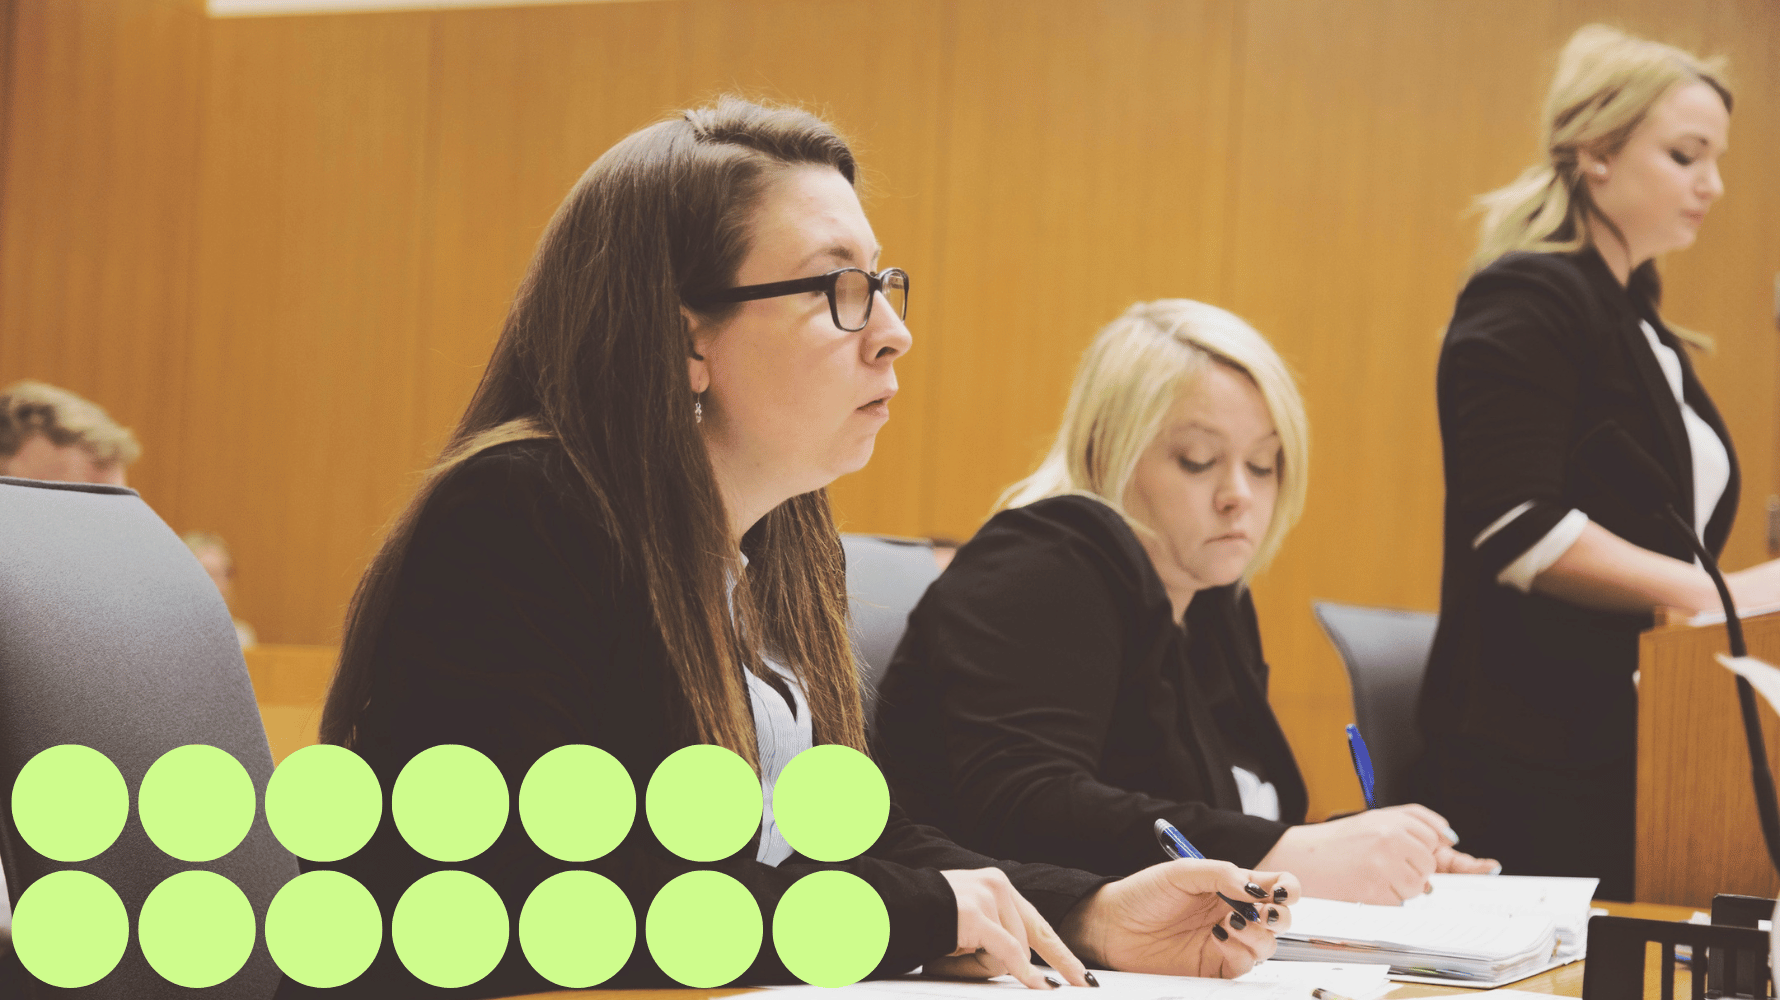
pixel 1181 918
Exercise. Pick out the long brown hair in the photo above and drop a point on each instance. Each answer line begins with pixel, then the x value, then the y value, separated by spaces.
pixel 593 354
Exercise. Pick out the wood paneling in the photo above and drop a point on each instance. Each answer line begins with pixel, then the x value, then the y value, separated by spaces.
pixel 290 683
pixel 1698 832
pixel 282 247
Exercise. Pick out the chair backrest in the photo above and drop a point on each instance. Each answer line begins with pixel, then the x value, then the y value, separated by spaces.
pixel 1386 654
pixel 113 637
pixel 885 577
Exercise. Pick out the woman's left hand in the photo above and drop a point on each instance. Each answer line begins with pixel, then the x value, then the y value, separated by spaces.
pixel 1168 919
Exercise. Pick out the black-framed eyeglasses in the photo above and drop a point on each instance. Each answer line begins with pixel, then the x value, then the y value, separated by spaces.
pixel 850 290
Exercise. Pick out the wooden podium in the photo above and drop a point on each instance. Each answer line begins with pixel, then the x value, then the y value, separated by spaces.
pixel 1698 833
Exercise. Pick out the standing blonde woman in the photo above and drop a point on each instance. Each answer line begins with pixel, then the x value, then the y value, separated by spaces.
pixel 1553 560
pixel 1091 661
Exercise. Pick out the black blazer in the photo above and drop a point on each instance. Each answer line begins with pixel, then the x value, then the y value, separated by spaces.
pixel 514 632
pixel 1542 348
pixel 1045 705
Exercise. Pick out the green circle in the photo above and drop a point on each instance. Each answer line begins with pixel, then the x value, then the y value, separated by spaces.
pixel 196 929
pixel 323 929
pixel 577 803
pixel 704 802
pixel 323 802
pixel 831 803
pixel 831 929
pixel 70 929
pixel 577 929
pixel 450 802
pixel 703 929
pixel 449 929
pixel 196 802
pixel 69 803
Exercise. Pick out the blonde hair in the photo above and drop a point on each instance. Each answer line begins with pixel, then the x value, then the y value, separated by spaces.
pixel 1607 82
pixel 30 408
pixel 1130 377
pixel 201 542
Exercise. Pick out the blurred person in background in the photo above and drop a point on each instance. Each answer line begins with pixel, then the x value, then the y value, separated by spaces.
pixel 214 554
pixel 50 433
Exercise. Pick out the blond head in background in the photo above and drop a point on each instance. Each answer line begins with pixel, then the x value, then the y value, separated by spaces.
pixel 52 434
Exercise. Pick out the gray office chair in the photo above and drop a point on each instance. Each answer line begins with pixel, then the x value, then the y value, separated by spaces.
pixel 112 636
pixel 1386 654
pixel 885 577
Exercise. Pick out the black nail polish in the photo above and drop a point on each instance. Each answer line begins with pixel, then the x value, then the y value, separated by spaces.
pixel 1054 984
pixel 1273 914
pixel 1219 932
pixel 1242 906
pixel 1237 922
pixel 1255 891
pixel 1279 894
pixel 1089 976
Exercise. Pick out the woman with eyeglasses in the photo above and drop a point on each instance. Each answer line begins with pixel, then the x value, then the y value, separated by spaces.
pixel 1090 663
pixel 1556 548
pixel 627 544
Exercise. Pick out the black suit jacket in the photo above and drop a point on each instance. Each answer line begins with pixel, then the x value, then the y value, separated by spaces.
pixel 1045 705
pixel 515 631
pixel 1543 348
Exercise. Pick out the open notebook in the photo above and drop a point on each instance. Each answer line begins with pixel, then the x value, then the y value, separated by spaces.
pixel 1472 930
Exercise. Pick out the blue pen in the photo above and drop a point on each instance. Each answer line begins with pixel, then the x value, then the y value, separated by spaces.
pixel 1177 846
pixel 1356 745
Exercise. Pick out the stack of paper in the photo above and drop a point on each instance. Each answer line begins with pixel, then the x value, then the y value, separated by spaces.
pixel 1475 930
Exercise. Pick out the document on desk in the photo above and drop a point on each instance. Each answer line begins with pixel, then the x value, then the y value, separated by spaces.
pixel 1268 981
pixel 1472 930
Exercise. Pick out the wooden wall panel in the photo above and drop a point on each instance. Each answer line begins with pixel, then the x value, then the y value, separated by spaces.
pixel 282 247
pixel 97 223
pixel 1087 169
pixel 308 322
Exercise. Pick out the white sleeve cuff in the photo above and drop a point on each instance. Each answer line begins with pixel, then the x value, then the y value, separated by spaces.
pixel 1519 574
pixel 1499 523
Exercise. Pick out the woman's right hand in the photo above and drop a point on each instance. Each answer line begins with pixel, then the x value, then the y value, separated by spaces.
pixel 1378 856
pixel 997 932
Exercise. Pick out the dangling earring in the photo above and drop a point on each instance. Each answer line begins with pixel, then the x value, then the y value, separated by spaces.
pixel 698 408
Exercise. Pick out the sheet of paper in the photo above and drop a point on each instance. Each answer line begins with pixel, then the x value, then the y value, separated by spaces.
pixel 1762 676
pixel 1716 617
pixel 1352 980
pixel 1113 986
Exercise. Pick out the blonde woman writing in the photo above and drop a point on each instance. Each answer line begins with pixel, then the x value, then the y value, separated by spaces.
pixel 1091 661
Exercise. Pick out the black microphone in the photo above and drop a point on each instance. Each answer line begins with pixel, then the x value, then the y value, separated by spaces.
pixel 1609 453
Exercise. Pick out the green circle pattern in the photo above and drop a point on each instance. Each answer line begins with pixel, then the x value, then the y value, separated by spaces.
pixel 196 803
pixel 197 929
pixel 323 929
pixel 70 929
pixel 577 929
pixel 577 803
pixel 323 803
pixel 69 803
pixel 450 803
pixel 449 929
pixel 704 929
pixel 831 928
pixel 704 802
pixel 831 803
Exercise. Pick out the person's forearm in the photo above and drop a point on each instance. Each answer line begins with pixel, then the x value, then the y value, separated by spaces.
pixel 1608 573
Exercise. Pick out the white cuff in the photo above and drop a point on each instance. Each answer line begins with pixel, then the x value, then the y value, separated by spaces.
pixel 1499 523
pixel 1519 574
